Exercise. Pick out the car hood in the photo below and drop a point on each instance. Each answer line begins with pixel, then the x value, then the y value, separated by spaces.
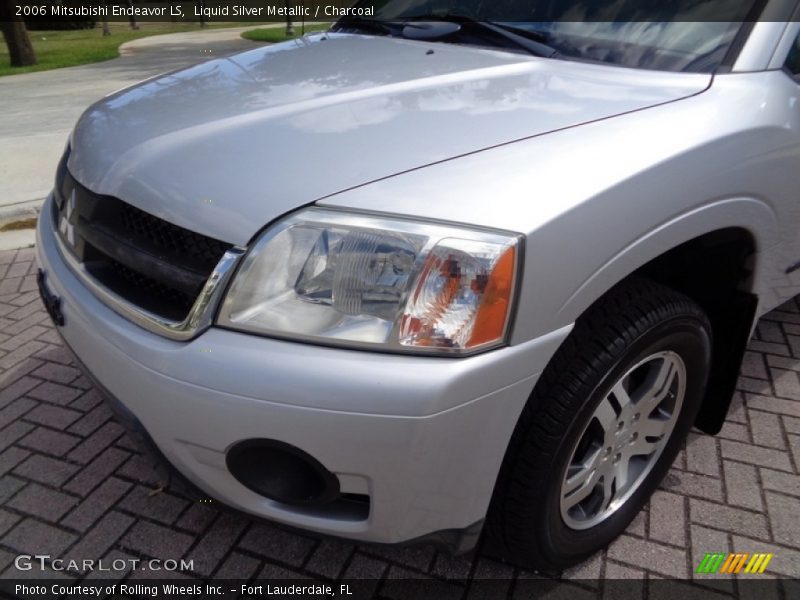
pixel 227 146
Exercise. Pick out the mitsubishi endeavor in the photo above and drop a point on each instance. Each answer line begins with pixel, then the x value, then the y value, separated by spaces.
pixel 438 272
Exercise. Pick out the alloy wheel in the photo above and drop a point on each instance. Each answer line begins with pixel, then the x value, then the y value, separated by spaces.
pixel 623 440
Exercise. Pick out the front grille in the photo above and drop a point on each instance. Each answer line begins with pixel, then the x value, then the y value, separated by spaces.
pixel 199 248
pixel 147 292
pixel 149 262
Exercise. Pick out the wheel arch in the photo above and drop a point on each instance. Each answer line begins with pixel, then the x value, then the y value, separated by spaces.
pixel 713 255
pixel 715 270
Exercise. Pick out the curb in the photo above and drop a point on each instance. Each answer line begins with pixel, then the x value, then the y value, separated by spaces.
pixel 18 225
pixel 14 240
pixel 14 217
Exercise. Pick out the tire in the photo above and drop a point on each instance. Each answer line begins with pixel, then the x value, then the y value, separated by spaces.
pixel 602 427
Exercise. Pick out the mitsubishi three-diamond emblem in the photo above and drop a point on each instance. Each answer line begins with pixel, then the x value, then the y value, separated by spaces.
pixel 65 225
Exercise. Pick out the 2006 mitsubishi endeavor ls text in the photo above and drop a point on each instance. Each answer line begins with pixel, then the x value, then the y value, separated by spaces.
pixel 436 273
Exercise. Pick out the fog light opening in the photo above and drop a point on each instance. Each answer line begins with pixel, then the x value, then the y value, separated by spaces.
pixel 282 472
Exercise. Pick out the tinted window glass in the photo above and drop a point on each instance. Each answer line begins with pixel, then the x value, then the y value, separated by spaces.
pixel 676 35
pixel 793 60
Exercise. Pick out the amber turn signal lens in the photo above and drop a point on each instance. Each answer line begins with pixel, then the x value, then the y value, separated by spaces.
pixel 490 322
pixel 462 298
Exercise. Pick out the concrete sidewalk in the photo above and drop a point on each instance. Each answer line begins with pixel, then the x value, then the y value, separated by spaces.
pixel 41 108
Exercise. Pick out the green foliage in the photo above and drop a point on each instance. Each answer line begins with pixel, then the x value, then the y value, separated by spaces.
pixel 278 33
pixel 57 49
pixel 45 23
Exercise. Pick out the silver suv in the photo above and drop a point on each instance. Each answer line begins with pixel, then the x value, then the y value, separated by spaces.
pixel 436 273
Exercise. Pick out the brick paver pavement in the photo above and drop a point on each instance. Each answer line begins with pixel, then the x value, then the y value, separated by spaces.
pixel 72 484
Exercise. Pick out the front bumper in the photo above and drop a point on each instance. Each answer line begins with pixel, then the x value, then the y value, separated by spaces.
pixel 422 437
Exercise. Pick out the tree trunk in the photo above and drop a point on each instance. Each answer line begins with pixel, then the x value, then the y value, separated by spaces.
pixel 202 15
pixel 289 24
pixel 106 29
pixel 20 49
pixel 132 19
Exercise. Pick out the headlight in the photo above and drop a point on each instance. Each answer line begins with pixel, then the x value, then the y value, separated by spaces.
pixel 361 281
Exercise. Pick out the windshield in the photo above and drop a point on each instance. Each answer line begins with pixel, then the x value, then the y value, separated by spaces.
pixel 677 35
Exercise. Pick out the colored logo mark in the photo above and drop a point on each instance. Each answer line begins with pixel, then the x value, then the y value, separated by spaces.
pixel 722 562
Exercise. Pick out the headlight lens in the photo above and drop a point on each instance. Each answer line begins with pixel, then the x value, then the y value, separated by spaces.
pixel 355 280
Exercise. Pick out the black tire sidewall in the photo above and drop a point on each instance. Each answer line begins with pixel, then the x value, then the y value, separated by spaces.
pixel 685 335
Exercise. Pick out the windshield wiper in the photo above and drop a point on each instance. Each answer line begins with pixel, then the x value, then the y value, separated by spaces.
pixel 533 42
pixel 362 24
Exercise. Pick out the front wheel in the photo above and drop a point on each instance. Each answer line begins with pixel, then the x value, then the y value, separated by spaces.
pixel 602 427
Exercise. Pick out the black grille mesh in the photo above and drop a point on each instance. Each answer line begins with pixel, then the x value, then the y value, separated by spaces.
pixel 148 292
pixel 194 246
